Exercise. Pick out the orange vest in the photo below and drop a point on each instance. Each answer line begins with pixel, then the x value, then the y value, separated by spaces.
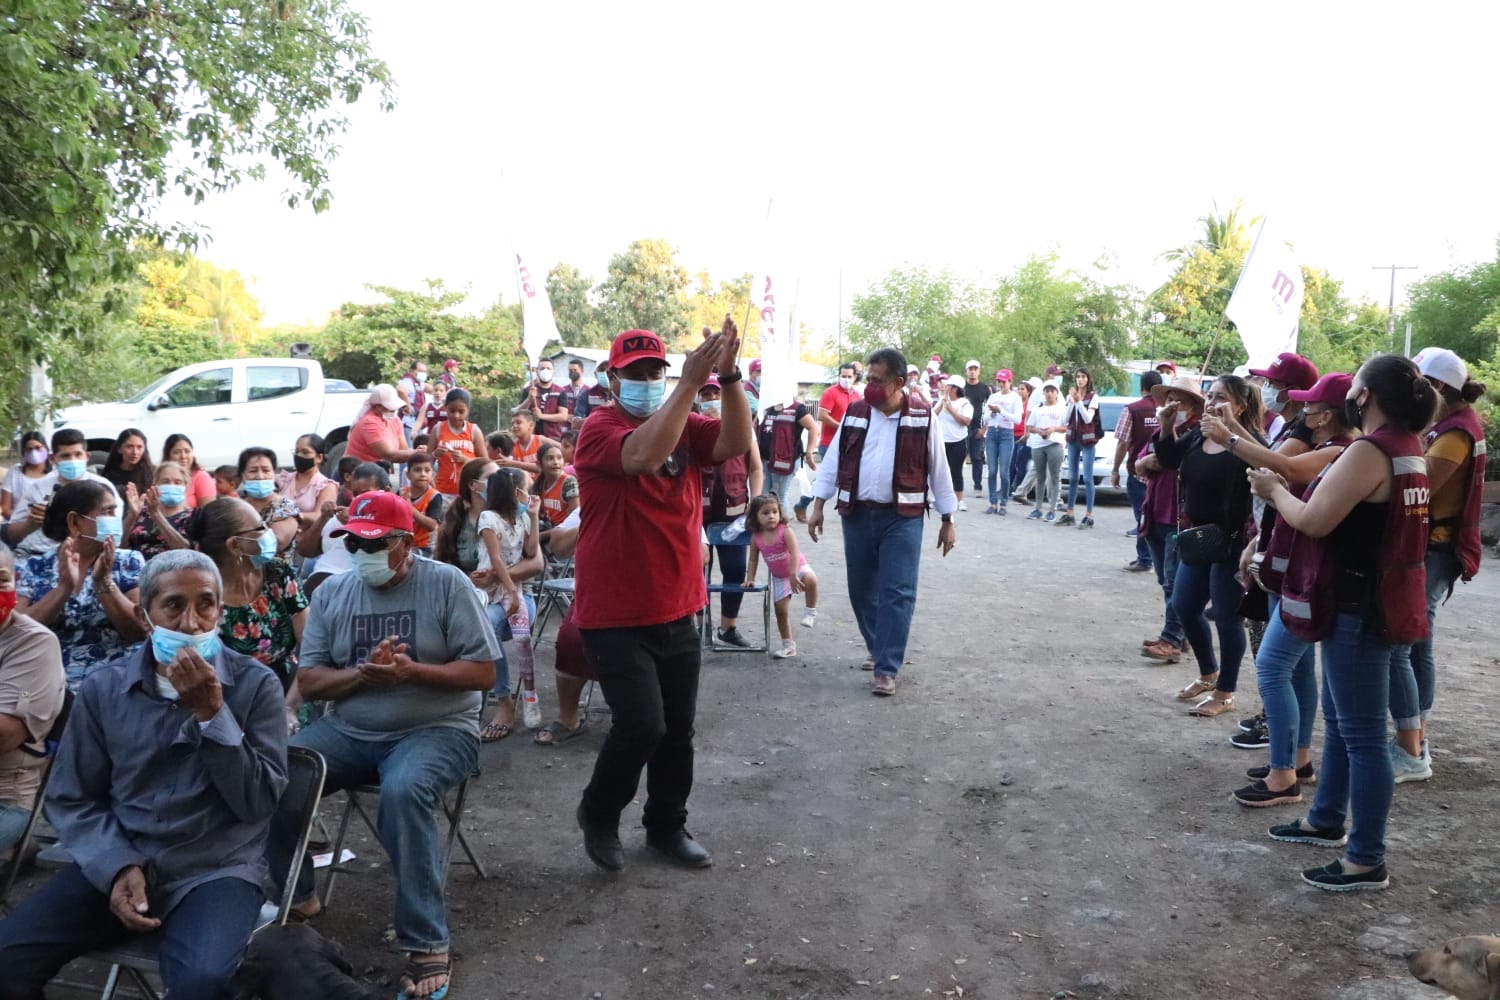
pixel 451 463
pixel 421 537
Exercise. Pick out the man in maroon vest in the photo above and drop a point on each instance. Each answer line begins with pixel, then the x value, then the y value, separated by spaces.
pixel 547 402
pixel 1137 425
pixel 884 460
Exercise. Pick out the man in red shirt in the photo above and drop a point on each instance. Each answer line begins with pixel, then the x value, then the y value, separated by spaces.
pixel 639 464
pixel 836 399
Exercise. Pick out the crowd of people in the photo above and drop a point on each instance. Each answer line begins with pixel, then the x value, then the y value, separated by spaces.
pixel 372 615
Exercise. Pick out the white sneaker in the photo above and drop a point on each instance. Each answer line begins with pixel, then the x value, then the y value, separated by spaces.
pixel 963 505
pixel 810 619
pixel 1408 768
pixel 531 710
pixel 788 649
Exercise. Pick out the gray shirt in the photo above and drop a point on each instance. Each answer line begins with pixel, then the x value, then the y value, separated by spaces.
pixel 138 781
pixel 436 612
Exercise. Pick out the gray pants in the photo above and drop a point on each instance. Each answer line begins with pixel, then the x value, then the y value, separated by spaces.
pixel 1047 460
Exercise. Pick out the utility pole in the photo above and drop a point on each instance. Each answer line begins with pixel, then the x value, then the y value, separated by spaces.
pixel 1390 317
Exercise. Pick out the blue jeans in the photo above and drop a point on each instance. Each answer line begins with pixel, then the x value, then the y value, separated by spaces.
pixel 202 938
pixel 1081 462
pixel 976 461
pixel 732 560
pixel 1288 689
pixel 13 821
pixel 413 772
pixel 780 486
pixel 1020 461
pixel 1190 595
pixel 999 448
pixel 1161 539
pixel 496 614
pixel 1357 781
pixel 1136 491
pixel 882 551
pixel 1413 670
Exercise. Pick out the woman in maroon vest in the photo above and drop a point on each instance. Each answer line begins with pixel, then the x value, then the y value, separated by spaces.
pixel 1355 582
pixel 727 489
pixel 1455 471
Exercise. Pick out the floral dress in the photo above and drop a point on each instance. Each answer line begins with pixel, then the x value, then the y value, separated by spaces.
pixel 145 536
pixel 263 629
pixel 87 636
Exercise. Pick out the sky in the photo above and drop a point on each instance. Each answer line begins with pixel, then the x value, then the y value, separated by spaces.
pixel 958 136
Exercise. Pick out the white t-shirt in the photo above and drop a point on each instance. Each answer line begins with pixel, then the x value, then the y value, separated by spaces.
pixel 512 539
pixel 1003 410
pixel 23 490
pixel 954 420
pixel 41 490
pixel 335 557
pixel 1047 416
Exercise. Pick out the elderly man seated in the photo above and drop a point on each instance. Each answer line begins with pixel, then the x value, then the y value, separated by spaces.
pixel 170 768
pixel 403 651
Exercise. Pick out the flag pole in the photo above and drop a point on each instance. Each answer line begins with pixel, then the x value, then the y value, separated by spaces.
pixel 750 300
pixel 1223 320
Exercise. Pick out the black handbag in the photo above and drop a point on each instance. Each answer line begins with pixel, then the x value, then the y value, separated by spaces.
pixel 1205 545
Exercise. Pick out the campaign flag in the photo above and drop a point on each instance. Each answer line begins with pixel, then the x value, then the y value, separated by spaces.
pixel 778 351
pixel 538 327
pixel 1267 300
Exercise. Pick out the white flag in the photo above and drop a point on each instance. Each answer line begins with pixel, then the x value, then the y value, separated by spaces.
pixel 538 327
pixel 778 376
pixel 1267 301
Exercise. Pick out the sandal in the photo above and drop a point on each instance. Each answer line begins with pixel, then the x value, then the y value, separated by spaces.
pixel 1201 686
pixel 420 967
pixel 555 733
pixel 495 732
pixel 1211 706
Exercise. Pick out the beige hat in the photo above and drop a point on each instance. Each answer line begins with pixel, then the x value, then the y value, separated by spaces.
pixel 1184 385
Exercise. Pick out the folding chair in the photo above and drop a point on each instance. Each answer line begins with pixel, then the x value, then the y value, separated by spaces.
pixel 554 593
pixel 23 846
pixel 136 958
pixel 707 642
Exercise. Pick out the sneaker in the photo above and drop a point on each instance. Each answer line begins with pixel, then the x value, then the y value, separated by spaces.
pixel 963 505
pixel 1087 522
pixel 1050 518
pixel 1035 515
pixel 1253 723
pixel 1257 795
pixel 1136 566
pixel 1133 533
pixel 810 618
pixel 1003 511
pixel 1408 768
pixel 1162 651
pixel 531 710
pixel 1333 878
pixel 1251 739
pixel 1293 833
pixel 868 664
pixel 1064 520
pixel 1305 774
pixel 884 685
pixel 787 651
pixel 732 637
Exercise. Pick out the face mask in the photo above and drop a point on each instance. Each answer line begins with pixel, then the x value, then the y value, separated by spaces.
pixel 642 398
pixel 602 378
pixel 302 463
pixel 268 546
pixel 165 689
pixel 876 394
pixel 7 605
pixel 421 378
pixel 259 488
pixel 523 509
pixel 1270 398
pixel 374 568
pixel 172 496
pixel 166 643
pixel 73 468
pixel 1352 415
pixel 1182 417
pixel 544 376
pixel 846 383
pixel 36 456
pixel 107 526
pixel 711 408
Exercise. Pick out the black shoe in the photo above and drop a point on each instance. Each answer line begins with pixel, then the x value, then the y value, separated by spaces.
pixel 1251 739
pixel 601 843
pixel 681 848
pixel 732 637
pixel 1292 833
pixel 1257 795
pixel 1253 723
pixel 1305 774
pixel 1333 878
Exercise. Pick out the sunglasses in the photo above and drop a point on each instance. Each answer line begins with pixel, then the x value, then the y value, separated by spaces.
pixel 354 543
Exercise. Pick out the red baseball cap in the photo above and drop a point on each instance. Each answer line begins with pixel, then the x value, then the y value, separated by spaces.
pixel 375 515
pixel 1330 390
pixel 1004 375
pixel 1291 370
pixel 712 383
pixel 755 365
pixel 636 345
pixel 1171 366
pixel 451 363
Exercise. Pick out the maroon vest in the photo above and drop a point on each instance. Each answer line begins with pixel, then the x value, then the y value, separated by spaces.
pixel 780 427
pixel 909 475
pixel 1143 424
pixel 1085 434
pixel 1466 542
pixel 1307 596
pixel 1277 546
pixel 726 490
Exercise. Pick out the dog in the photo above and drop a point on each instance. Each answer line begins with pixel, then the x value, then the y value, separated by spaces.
pixel 1467 967
pixel 295 962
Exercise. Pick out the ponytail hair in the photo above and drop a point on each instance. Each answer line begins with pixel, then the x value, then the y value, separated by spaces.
pixel 1406 398
pixel 445 548
pixel 1470 393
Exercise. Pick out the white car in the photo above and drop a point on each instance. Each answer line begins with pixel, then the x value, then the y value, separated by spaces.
pixel 1110 408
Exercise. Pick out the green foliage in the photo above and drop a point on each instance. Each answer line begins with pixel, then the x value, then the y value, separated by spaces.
pixel 1191 301
pixel 578 319
pixel 645 289
pixel 1335 334
pixel 106 106
pixel 1459 310
pixel 709 303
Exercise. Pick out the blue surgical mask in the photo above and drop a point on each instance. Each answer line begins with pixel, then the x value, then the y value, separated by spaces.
pixel 523 509
pixel 166 643
pixel 258 488
pixel 641 398
pixel 73 468
pixel 374 568
pixel 107 526
pixel 268 547
pixel 172 496
pixel 710 408
pixel 601 377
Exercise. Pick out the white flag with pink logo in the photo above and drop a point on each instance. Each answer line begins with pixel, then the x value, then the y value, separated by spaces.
pixel 778 346
pixel 1267 301
pixel 538 327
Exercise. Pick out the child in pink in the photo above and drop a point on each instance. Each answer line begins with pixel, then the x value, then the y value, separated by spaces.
pixel 778 547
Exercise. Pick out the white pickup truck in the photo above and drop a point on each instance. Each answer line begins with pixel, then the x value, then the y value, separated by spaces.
pixel 224 406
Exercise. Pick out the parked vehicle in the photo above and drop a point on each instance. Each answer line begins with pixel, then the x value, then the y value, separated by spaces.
pixel 225 406
pixel 1104 452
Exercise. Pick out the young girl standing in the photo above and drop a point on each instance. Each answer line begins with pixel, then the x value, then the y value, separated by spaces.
pixel 790 573
pixel 555 491
pixel 457 443
pixel 507 537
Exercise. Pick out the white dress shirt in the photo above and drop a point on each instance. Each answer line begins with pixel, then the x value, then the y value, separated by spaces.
pixel 877 465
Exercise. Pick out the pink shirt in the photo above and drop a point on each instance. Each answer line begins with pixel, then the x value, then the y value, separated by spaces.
pixel 776 555
pixel 372 427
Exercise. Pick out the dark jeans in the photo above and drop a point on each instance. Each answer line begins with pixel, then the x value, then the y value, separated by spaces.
pixel 976 460
pixel 957 452
pixel 1190 595
pixel 649 676
pixel 1161 539
pixel 1136 491
pixel 1020 461
pixel 882 552
pixel 201 940
pixel 732 559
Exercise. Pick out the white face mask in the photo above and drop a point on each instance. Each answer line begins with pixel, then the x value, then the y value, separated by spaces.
pixel 421 378
pixel 846 383
pixel 1269 397
pixel 544 375
pixel 165 689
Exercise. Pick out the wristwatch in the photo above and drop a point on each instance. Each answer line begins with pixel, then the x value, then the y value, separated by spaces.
pixel 1234 439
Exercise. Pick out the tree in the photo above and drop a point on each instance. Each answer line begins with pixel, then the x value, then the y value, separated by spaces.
pixel 916 311
pixel 708 303
pixel 578 319
pixel 1459 310
pixel 1192 300
pixel 105 106
pixel 644 289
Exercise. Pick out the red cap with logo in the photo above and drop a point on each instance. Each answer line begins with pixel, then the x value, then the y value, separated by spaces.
pixel 1004 375
pixel 1291 370
pixel 636 345
pixel 375 515
pixel 1170 366
pixel 1329 390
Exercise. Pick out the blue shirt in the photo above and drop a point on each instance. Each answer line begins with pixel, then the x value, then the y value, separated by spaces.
pixel 88 637
pixel 138 781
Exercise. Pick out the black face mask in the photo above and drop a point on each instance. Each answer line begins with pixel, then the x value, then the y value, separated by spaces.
pixel 1352 415
pixel 302 463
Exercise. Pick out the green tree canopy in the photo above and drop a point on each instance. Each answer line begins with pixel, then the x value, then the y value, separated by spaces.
pixel 578 319
pixel 1459 310
pixel 645 288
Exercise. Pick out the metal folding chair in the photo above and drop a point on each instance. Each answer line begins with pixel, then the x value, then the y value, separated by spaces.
pixel 136 959
pixel 707 642
pixel 23 846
